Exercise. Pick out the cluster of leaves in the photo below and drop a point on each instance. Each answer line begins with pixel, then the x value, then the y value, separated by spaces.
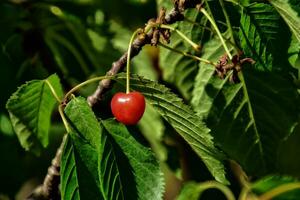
pixel 39 38
pixel 252 122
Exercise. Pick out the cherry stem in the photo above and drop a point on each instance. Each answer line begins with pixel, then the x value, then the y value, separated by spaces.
pixel 62 115
pixel 227 21
pixel 182 35
pixel 86 83
pixel 69 93
pixel 188 55
pixel 212 21
pixel 128 60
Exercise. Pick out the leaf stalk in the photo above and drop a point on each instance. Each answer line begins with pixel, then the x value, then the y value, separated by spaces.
pixel 188 55
pixel 183 36
pixel 212 21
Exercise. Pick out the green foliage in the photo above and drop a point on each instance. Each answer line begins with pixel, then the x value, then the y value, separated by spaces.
pixel 238 113
pixel 152 127
pixel 290 13
pixel 177 68
pixel 272 182
pixel 83 119
pixel 182 118
pixel 246 115
pixel 81 154
pixel 144 167
pixel 288 151
pixel 30 109
pixel 106 162
pixel 189 191
pixel 294 53
pixel 5 125
pixel 254 121
pixel 79 170
pixel 259 33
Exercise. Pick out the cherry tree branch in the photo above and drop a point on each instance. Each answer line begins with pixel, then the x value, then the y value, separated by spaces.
pixel 176 14
pixel 50 187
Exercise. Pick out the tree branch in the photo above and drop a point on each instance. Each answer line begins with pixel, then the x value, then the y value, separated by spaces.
pixel 176 14
pixel 50 187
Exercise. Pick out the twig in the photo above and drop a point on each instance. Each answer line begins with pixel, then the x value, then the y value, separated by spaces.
pixel 172 17
pixel 49 190
pixel 50 187
pixel 188 55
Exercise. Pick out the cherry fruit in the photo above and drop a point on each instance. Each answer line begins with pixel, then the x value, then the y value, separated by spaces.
pixel 128 108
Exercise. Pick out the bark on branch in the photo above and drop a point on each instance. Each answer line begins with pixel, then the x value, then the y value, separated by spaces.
pixel 176 14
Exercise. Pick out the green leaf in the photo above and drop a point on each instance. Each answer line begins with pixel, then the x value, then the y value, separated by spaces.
pixel 148 178
pixel 116 177
pixel 272 182
pixel 248 119
pixel 79 177
pixel 83 120
pixel 190 191
pixel 288 154
pixel 152 127
pixel 68 172
pixel 79 173
pixel 182 118
pixel 294 53
pixel 290 15
pixel 5 125
pixel 207 85
pixel 30 109
pixel 259 33
pixel 106 163
pixel 164 4
pixel 79 46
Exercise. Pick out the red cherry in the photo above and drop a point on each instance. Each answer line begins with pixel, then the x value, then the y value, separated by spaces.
pixel 128 108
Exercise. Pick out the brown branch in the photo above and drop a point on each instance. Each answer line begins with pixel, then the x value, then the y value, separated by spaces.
pixel 104 85
pixel 50 187
pixel 176 14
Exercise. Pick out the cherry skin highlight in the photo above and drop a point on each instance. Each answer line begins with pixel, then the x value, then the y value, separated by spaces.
pixel 128 108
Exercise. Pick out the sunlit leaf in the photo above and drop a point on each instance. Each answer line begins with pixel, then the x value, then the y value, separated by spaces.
pixel 288 12
pixel 79 174
pixel 79 170
pixel 30 109
pixel 152 127
pixel 143 166
pixel 259 34
pixel 106 163
pixel 246 119
pixel 184 121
